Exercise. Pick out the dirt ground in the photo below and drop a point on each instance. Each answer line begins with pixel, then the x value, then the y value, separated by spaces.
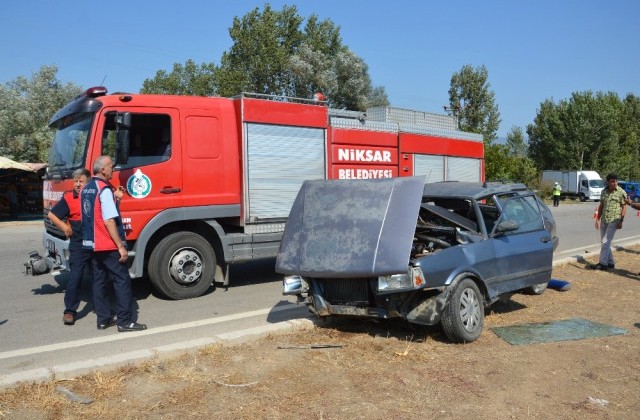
pixel 386 370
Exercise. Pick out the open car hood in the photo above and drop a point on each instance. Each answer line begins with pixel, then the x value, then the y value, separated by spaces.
pixel 351 228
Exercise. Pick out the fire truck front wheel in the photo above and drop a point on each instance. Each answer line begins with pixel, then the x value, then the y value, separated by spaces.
pixel 182 265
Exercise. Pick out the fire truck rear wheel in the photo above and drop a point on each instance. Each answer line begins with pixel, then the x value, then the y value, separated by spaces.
pixel 182 265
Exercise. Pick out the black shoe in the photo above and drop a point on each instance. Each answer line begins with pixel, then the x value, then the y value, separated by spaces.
pixel 611 266
pixel 134 326
pixel 109 323
pixel 68 318
pixel 600 267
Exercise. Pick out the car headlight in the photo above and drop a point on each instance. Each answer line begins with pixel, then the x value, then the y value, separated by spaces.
pixel 411 279
pixel 294 285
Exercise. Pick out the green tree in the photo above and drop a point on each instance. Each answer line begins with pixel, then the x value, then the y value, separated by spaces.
pixel 354 90
pixel 582 132
pixel 503 162
pixel 272 55
pixel 472 102
pixel 187 79
pixel 26 106
pixel 515 142
pixel 546 134
pixel 343 78
pixel 630 135
pixel 509 161
pixel 258 59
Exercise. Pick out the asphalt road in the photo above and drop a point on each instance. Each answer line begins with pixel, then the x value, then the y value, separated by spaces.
pixel 34 344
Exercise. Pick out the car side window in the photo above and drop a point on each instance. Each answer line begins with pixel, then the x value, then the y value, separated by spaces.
pixel 524 211
pixel 150 139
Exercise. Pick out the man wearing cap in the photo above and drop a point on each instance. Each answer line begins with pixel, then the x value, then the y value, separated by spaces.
pixel 557 189
pixel 610 217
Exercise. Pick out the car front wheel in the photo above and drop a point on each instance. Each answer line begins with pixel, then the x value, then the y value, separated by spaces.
pixel 463 318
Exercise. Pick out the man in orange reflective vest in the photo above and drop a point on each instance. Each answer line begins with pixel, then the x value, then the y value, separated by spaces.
pixel 103 233
pixel 68 208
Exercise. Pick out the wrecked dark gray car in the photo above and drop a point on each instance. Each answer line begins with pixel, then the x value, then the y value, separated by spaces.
pixel 427 253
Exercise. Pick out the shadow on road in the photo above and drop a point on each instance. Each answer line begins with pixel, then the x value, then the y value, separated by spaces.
pixel 48 289
pixel 277 314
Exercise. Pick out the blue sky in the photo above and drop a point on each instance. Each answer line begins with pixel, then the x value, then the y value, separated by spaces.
pixel 533 49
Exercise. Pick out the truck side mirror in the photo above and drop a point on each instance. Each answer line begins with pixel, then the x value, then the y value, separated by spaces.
pixel 123 127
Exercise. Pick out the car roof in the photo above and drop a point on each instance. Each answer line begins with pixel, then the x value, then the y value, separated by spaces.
pixel 474 190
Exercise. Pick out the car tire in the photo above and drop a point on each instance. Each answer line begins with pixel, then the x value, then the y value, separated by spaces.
pixel 182 265
pixel 537 289
pixel 582 197
pixel 463 317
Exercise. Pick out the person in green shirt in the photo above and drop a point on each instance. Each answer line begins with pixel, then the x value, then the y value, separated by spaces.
pixel 557 189
pixel 610 217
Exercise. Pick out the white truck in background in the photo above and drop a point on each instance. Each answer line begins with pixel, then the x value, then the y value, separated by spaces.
pixel 584 185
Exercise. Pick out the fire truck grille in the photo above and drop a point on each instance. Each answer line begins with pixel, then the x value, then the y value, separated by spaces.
pixel 353 292
pixel 51 228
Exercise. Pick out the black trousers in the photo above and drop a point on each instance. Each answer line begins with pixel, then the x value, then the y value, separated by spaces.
pixel 79 258
pixel 108 269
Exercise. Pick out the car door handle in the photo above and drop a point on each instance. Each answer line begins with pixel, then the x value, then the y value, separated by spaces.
pixel 545 239
pixel 170 190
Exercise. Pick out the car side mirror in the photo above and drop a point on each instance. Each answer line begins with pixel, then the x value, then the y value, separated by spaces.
pixel 507 226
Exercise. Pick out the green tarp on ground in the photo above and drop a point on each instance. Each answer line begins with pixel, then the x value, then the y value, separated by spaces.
pixel 563 330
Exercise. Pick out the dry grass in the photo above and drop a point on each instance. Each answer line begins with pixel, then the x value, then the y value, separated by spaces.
pixel 385 369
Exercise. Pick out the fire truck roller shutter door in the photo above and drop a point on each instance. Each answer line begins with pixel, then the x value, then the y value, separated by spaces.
pixel 280 159
pixel 463 169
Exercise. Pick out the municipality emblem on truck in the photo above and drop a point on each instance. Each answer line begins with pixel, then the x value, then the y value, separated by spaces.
pixel 139 185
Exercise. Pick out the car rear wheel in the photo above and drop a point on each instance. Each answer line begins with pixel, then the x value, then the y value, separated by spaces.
pixel 463 318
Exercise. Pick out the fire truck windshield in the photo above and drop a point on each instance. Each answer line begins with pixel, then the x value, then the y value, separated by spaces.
pixel 69 146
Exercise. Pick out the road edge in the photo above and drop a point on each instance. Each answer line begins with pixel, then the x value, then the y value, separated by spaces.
pixel 70 370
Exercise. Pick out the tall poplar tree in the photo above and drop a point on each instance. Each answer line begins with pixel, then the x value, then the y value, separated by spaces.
pixel 472 102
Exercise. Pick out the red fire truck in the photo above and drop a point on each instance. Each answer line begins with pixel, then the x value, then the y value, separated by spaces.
pixel 210 180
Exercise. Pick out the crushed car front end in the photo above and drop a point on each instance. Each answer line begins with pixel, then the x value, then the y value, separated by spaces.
pixel 429 254
pixel 388 296
pixel 349 249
